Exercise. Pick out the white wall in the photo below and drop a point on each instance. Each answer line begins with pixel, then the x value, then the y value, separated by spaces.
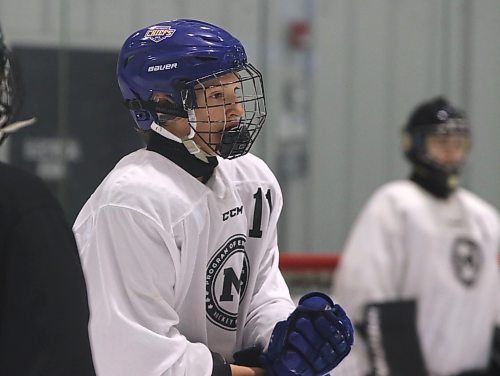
pixel 370 62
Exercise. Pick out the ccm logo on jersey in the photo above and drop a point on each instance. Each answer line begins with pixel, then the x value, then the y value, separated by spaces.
pixel 232 213
pixel 162 67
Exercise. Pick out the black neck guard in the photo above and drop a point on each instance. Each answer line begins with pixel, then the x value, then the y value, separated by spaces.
pixel 437 182
pixel 178 154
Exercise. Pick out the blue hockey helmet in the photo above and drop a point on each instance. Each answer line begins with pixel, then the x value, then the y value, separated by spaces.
pixel 173 59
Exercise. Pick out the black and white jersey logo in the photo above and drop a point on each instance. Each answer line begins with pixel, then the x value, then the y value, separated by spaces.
pixel 227 277
pixel 467 261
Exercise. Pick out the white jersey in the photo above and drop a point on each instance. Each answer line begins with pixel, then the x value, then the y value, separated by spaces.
pixel 408 245
pixel 176 268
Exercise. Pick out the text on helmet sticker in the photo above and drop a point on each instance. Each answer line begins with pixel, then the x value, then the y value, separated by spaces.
pixel 159 33
pixel 161 67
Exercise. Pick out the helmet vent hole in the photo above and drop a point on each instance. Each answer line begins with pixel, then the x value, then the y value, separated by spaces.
pixel 211 38
pixel 206 58
pixel 127 60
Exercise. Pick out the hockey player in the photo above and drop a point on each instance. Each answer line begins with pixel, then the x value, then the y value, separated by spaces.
pixel 43 301
pixel 179 241
pixel 424 253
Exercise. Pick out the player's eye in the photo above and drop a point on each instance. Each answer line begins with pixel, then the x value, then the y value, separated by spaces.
pixel 216 95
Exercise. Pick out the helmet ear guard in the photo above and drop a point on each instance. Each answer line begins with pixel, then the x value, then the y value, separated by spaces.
pixel 159 111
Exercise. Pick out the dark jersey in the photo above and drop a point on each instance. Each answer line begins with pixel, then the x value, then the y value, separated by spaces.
pixel 43 300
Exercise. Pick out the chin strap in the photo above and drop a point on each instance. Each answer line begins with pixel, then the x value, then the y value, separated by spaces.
pixel 187 141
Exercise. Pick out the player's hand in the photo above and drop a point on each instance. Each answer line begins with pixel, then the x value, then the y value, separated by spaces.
pixel 246 371
pixel 312 341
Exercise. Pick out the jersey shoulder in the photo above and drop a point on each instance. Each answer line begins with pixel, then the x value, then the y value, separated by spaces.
pixel 479 206
pixel 148 183
pixel 249 168
pixel 23 191
pixel 393 200
pixel 401 192
pixel 399 187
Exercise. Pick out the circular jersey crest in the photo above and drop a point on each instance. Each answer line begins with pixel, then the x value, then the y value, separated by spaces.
pixel 226 282
pixel 467 261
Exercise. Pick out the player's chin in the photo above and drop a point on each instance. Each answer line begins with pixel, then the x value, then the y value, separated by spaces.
pixel 231 125
pixel 210 148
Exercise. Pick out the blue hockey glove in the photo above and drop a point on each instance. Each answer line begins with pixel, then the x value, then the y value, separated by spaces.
pixel 312 341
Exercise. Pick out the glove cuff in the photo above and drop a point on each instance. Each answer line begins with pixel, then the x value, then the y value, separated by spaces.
pixel 317 301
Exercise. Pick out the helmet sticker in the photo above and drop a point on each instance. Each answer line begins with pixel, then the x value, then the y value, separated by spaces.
pixel 158 33
pixel 442 115
pixel 162 67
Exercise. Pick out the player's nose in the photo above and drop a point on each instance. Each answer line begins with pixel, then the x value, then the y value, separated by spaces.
pixel 235 108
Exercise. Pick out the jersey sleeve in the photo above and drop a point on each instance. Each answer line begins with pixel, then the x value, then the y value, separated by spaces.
pixel 130 266
pixel 44 310
pixel 496 246
pixel 271 301
pixel 368 280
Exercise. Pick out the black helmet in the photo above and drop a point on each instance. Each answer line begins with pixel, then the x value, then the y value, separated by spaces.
pixel 434 117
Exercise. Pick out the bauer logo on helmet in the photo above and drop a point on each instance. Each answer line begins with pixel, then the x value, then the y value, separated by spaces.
pixel 162 67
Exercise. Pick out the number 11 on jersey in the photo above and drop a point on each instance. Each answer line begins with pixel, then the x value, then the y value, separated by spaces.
pixel 255 231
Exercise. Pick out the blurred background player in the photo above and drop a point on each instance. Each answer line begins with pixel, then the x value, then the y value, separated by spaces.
pixel 179 242
pixel 43 300
pixel 424 255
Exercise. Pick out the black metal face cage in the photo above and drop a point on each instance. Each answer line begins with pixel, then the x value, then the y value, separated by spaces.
pixel 10 89
pixel 234 141
pixel 452 127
